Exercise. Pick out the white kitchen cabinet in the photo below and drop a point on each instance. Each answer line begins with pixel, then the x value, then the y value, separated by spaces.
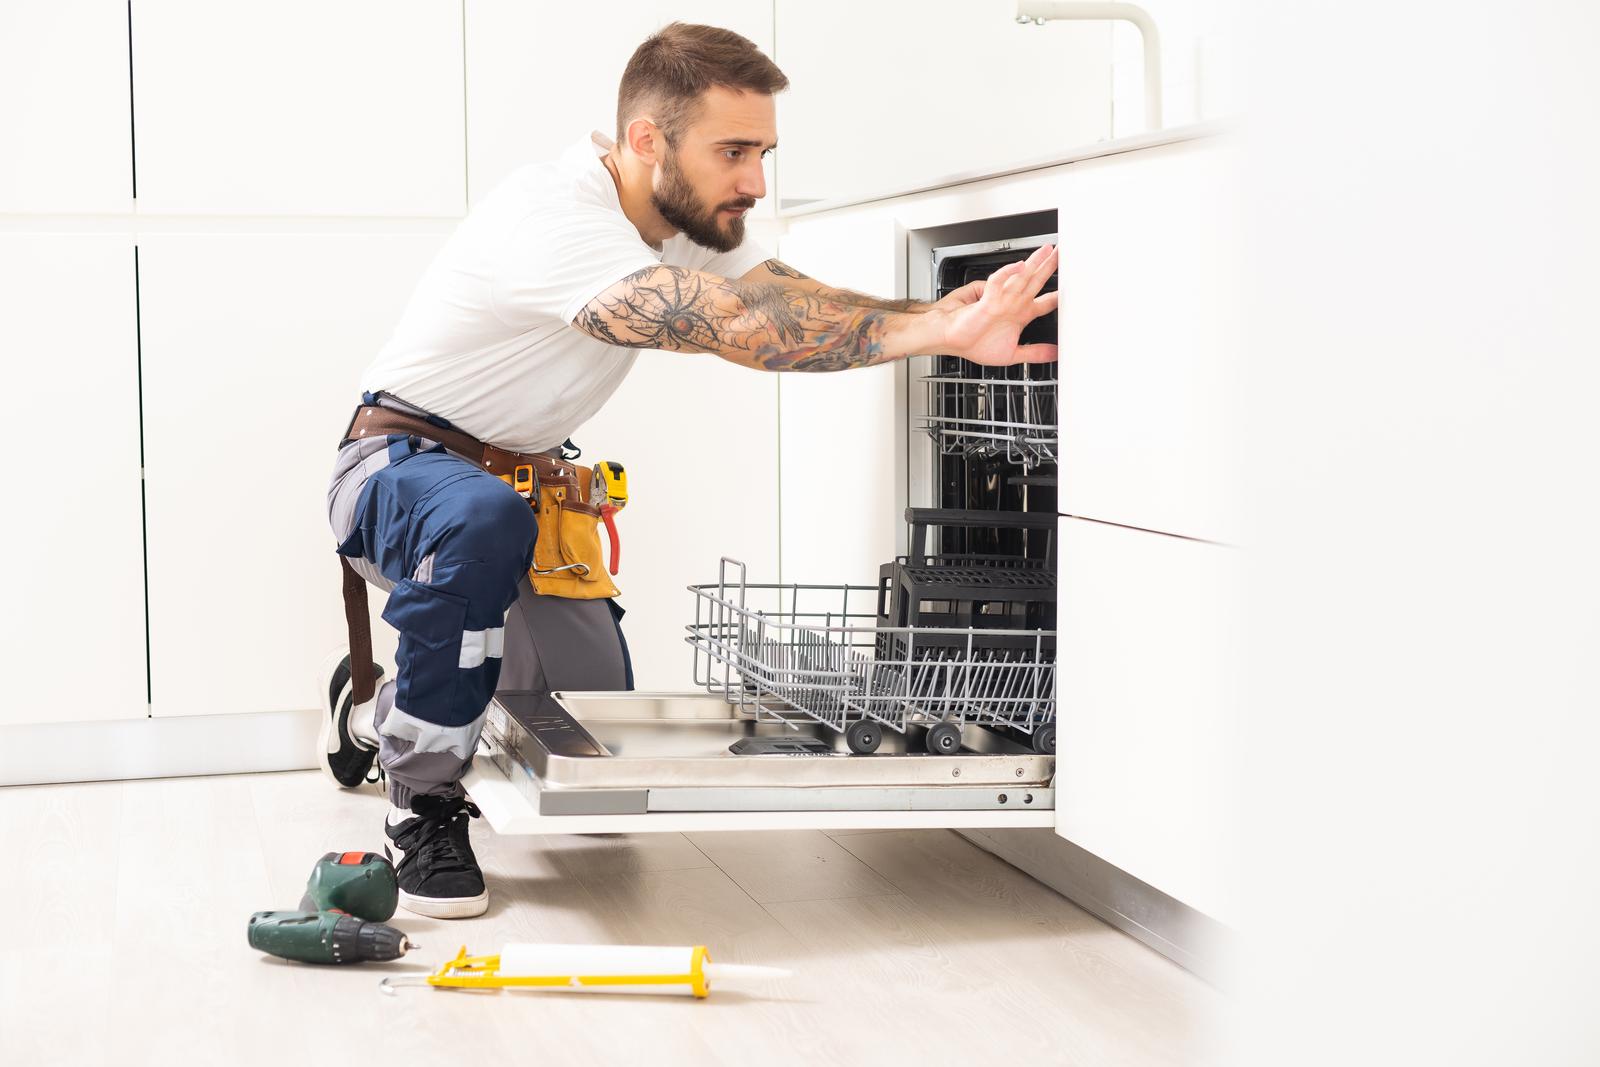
pixel 64 113
pixel 1149 339
pixel 253 350
pixel 299 107
pixel 521 55
pixel 965 90
pixel 72 634
pixel 839 446
pixel 1147 742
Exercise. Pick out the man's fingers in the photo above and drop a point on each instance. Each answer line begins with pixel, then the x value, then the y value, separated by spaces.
pixel 1036 353
pixel 1041 265
pixel 1046 303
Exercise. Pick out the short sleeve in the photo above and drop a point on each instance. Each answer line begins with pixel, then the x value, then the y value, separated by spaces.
pixel 734 264
pixel 556 261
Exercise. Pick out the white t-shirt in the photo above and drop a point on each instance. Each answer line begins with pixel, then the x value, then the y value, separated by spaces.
pixel 487 340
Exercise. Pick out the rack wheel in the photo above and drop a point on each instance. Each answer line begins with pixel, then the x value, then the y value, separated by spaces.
pixel 1044 739
pixel 863 737
pixel 944 739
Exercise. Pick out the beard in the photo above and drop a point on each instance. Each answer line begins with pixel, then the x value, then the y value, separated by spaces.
pixel 682 209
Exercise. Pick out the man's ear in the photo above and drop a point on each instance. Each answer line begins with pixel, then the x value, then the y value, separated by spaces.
pixel 645 140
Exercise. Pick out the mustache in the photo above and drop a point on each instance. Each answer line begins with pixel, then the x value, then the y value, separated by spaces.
pixel 737 204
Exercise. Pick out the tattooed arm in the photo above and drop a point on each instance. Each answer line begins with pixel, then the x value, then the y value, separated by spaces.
pixel 764 325
pixel 774 270
pixel 772 326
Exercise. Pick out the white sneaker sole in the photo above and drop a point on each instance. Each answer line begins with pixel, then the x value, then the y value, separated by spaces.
pixel 329 718
pixel 446 907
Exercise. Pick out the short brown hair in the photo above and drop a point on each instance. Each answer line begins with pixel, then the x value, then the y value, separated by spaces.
pixel 680 61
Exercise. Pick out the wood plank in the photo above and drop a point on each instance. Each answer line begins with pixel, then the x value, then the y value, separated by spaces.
pixel 1115 996
pixel 797 865
pixel 594 855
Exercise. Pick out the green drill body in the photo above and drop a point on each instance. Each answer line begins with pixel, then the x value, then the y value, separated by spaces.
pixel 362 884
pixel 341 915
pixel 325 937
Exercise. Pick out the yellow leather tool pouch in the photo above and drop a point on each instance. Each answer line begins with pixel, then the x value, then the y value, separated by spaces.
pixel 567 558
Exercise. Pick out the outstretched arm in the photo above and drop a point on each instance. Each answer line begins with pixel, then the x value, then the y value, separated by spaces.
pixel 765 325
pixel 776 326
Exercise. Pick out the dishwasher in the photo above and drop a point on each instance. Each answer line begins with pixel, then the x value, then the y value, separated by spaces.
pixel 926 700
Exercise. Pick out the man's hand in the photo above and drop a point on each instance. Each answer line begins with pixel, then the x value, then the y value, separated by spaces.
pixel 982 320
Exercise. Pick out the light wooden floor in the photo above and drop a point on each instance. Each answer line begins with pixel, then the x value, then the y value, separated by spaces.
pixel 123 908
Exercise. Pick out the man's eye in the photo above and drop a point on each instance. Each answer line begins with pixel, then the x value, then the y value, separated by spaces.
pixel 732 153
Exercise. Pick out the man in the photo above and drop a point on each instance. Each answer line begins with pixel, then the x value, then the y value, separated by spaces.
pixel 524 324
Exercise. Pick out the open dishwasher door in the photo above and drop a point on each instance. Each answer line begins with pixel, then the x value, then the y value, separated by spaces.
pixel 634 762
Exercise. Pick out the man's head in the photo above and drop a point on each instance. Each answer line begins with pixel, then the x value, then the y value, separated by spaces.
pixel 695 104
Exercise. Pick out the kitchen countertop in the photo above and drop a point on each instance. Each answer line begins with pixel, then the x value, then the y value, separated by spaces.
pixel 1171 135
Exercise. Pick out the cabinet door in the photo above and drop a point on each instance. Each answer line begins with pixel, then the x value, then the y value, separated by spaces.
pixel 299 107
pixel 64 123
pixel 1147 722
pixel 72 635
pixel 253 350
pixel 840 452
pixel 1149 331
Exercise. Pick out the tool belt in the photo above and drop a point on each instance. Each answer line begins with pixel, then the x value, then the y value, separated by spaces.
pixel 567 560
pixel 566 555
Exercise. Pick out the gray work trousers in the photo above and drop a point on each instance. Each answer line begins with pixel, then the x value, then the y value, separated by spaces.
pixel 550 644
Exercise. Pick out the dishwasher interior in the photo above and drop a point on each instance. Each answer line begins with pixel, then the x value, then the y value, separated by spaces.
pixel 931 691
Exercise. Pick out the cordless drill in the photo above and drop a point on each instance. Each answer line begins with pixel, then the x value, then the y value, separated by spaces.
pixel 341 916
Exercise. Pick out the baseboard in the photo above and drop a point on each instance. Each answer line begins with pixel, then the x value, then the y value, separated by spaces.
pixel 42 753
pixel 1189 938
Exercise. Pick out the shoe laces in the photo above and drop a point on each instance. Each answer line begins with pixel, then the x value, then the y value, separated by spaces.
pixel 432 836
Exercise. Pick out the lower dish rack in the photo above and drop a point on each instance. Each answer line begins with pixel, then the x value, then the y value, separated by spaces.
pixel 820 650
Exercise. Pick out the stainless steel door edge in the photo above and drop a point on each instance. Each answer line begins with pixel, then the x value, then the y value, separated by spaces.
pixel 546 800
pixel 935 798
pixel 680 740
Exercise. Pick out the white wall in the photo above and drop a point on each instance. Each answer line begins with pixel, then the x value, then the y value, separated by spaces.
pixel 1199 64
pixel 296 168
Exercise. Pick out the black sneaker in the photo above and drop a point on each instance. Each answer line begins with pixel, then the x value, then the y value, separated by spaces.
pixel 343 757
pixel 439 875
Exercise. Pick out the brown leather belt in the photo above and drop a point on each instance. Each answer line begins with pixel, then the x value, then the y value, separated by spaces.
pixel 374 421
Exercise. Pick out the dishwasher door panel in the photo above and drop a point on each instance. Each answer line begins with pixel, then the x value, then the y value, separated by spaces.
pixel 632 762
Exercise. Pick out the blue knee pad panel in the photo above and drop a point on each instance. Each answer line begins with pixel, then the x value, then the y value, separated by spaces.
pixel 455 540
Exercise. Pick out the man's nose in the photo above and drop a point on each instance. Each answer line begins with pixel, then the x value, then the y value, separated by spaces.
pixel 752 181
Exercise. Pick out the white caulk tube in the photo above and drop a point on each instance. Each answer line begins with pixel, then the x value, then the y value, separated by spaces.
pixel 662 970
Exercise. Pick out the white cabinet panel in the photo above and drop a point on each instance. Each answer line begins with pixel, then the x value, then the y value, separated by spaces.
pixel 868 77
pixel 1147 712
pixel 839 458
pixel 253 348
pixel 64 118
pixel 299 107
pixel 72 635
pixel 522 56
pixel 699 439
pixel 1149 333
